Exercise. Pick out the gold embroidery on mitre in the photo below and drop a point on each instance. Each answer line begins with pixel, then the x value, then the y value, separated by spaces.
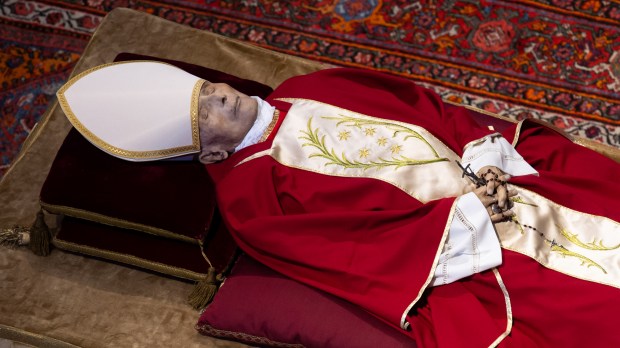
pixel 333 141
pixel 580 245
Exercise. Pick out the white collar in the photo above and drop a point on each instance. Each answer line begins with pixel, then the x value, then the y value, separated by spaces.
pixel 264 116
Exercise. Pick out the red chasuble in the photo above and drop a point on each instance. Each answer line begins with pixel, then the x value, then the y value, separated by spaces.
pixel 354 190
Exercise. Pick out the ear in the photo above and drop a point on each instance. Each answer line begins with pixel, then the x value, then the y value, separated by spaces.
pixel 208 157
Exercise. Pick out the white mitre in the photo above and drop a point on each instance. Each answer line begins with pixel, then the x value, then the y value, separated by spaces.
pixel 136 110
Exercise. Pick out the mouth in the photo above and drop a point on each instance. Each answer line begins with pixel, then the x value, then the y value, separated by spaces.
pixel 237 102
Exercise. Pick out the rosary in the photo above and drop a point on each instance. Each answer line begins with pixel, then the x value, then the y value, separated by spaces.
pixel 481 181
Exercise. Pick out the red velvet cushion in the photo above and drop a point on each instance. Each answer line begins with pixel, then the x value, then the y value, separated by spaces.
pixel 146 250
pixel 258 306
pixel 174 196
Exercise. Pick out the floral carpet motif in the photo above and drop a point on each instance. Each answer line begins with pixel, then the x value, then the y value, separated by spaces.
pixel 556 60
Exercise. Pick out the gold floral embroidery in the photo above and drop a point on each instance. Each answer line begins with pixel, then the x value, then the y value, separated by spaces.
pixel 594 245
pixel 382 141
pixel 520 200
pixel 370 131
pixel 396 149
pixel 396 128
pixel 364 153
pixel 344 135
pixel 584 260
pixel 314 139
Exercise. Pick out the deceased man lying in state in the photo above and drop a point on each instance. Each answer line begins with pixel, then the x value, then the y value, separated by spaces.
pixel 369 187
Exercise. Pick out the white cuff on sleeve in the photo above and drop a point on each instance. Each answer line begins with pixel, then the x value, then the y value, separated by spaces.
pixel 472 245
pixel 494 150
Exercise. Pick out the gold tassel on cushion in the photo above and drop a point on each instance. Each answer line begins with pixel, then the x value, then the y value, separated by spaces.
pixel 205 289
pixel 40 236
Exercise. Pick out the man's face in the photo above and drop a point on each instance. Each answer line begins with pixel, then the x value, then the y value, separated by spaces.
pixel 225 116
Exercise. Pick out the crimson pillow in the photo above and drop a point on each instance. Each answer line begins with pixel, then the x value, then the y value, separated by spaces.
pixel 258 306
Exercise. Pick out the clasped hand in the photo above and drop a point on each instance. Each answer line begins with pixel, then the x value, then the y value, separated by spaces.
pixel 495 196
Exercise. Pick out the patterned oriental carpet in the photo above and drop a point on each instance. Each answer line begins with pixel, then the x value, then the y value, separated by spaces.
pixel 557 60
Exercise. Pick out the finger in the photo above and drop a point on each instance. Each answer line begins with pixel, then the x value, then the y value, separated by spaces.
pixel 506 177
pixel 502 195
pixel 502 216
pixel 490 187
pixel 497 218
pixel 488 200
pixel 481 191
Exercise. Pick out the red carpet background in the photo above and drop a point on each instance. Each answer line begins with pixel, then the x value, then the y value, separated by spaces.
pixel 557 60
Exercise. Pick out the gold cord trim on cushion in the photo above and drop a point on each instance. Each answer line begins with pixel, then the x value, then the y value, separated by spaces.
pixel 106 220
pixel 209 330
pixel 128 259
pixel 29 338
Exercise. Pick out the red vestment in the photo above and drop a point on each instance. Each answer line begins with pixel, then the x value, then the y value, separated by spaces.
pixel 369 242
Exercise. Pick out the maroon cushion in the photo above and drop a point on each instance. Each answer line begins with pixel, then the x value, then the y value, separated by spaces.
pixel 161 197
pixel 258 306
pixel 148 251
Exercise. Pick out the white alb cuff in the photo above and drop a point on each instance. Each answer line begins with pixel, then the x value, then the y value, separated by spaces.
pixel 472 245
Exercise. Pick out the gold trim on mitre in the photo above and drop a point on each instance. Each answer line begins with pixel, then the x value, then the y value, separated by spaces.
pixel 128 154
